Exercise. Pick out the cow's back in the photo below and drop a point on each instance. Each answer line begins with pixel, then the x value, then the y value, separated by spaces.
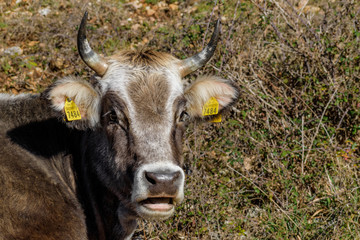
pixel 37 193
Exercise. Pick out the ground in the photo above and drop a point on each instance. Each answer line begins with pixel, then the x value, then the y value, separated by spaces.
pixel 284 163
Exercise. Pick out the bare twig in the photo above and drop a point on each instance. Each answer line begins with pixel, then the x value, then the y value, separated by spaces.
pixel 340 122
pixel 303 21
pixel 208 24
pixel 303 5
pixel 263 192
pixel 302 144
pixel 229 34
pixel 318 127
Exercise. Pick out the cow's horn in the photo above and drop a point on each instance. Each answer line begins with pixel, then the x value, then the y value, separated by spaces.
pixel 193 63
pixel 91 58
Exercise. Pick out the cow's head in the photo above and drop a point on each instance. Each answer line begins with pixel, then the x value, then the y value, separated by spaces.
pixel 137 107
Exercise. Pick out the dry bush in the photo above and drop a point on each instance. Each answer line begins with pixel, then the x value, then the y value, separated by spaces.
pixel 292 139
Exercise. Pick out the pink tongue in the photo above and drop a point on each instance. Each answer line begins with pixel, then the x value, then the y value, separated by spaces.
pixel 158 204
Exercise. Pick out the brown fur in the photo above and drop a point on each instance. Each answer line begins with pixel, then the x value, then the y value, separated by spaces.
pixel 35 191
pixel 149 95
pixel 144 57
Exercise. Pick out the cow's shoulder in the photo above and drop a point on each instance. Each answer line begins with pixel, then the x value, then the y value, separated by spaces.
pixel 37 195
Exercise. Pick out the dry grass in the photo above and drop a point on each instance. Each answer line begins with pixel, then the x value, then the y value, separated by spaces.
pixel 285 163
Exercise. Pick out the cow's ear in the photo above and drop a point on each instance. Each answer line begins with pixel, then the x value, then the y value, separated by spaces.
pixel 199 92
pixel 83 94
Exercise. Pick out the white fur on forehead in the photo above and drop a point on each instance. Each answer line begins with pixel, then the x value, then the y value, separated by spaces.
pixel 82 93
pixel 198 93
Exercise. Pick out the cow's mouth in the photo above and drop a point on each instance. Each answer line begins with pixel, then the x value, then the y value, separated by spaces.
pixel 158 204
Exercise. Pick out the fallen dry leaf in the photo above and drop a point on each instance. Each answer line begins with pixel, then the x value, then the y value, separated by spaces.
pixel 32 43
pixel 173 6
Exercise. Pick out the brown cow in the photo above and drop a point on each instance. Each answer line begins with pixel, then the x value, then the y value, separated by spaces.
pixel 92 178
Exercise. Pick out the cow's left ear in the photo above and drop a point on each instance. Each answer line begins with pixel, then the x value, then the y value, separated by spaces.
pixel 83 94
pixel 199 92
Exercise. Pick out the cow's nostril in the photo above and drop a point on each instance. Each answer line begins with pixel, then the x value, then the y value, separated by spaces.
pixel 162 177
pixel 150 177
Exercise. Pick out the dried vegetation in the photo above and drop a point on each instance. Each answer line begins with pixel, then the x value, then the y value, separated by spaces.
pixel 285 162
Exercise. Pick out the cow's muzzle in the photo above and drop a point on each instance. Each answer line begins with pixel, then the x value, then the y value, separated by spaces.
pixel 158 188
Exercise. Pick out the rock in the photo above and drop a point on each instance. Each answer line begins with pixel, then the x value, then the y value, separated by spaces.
pixel 44 11
pixel 13 51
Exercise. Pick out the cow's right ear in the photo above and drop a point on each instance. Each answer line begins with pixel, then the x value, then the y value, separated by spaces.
pixel 83 94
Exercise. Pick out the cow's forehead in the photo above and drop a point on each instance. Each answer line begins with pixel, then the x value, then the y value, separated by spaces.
pixel 148 84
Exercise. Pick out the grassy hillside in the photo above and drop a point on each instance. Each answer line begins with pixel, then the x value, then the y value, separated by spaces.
pixel 285 162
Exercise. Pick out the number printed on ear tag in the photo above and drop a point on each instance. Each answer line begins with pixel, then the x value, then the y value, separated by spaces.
pixel 211 107
pixel 72 112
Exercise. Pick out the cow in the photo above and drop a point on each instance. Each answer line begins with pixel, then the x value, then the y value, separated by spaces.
pixel 85 159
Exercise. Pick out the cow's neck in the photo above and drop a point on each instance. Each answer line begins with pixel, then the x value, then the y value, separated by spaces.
pixel 106 217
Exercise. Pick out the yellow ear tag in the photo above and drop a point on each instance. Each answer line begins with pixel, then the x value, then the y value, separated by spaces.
pixel 71 110
pixel 216 119
pixel 211 107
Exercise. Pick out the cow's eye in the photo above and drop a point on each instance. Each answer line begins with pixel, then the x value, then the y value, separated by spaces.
pixel 184 116
pixel 118 118
pixel 113 117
